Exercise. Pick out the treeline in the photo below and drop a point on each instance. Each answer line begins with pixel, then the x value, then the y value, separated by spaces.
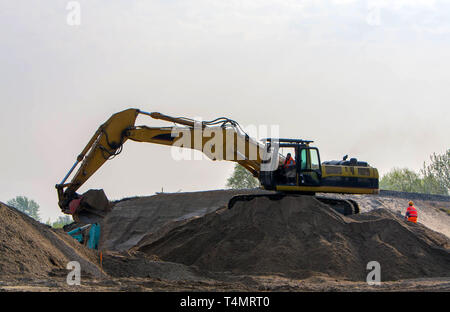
pixel 433 178
pixel 31 208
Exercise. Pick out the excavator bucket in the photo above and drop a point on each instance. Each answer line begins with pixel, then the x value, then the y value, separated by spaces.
pixel 92 207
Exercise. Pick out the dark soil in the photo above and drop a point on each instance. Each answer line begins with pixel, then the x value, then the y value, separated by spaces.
pixel 30 248
pixel 301 237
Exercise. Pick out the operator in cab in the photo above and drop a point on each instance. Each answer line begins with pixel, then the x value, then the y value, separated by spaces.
pixel 289 169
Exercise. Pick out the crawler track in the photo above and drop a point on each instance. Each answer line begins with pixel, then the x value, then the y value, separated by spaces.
pixel 343 206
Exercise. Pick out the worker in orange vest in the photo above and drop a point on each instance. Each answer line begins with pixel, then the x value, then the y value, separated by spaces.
pixel 289 167
pixel 289 161
pixel 411 213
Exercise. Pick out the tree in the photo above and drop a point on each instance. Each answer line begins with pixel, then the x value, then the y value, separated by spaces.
pixel 60 222
pixel 432 186
pixel 25 205
pixel 432 179
pixel 242 178
pixel 437 174
pixel 404 180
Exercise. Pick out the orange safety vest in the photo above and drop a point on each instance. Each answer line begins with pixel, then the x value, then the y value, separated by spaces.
pixel 411 214
pixel 288 162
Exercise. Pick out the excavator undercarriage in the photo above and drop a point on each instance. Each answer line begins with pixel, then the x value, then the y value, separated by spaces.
pixel 343 206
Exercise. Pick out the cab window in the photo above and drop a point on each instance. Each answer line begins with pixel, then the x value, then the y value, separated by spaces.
pixel 314 156
pixel 303 159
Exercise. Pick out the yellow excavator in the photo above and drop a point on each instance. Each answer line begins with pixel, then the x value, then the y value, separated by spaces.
pixel 218 139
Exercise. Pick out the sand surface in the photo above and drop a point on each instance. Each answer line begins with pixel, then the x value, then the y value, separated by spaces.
pixel 190 241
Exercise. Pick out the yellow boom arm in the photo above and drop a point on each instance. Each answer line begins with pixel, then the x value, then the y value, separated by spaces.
pixel 219 139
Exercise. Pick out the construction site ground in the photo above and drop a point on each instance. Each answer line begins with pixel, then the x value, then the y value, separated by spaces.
pixel 192 242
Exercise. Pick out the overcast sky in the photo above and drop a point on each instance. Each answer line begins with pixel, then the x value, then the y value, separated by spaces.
pixel 364 78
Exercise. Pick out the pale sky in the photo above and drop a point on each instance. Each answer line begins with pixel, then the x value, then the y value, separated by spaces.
pixel 364 78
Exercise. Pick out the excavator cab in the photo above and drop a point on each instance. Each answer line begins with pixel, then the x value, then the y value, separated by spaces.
pixel 308 165
pixel 306 172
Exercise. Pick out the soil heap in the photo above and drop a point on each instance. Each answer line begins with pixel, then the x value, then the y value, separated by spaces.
pixel 30 249
pixel 131 219
pixel 300 237
pixel 434 210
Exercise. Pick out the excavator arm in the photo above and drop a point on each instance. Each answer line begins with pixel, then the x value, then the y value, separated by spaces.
pixel 219 139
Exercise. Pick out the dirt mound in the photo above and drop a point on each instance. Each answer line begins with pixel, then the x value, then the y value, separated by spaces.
pixel 31 249
pixel 434 210
pixel 124 264
pixel 302 237
pixel 132 219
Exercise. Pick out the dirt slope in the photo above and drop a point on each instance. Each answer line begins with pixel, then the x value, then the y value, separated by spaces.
pixel 32 249
pixel 434 210
pixel 132 219
pixel 301 237
pixel 258 245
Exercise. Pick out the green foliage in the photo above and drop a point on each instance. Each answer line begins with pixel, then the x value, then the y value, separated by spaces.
pixel 432 179
pixel 403 180
pixel 438 172
pixel 241 178
pixel 25 205
pixel 60 222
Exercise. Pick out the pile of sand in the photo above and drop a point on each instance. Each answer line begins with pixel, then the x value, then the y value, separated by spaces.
pixel 434 210
pixel 193 236
pixel 125 264
pixel 132 219
pixel 302 237
pixel 32 249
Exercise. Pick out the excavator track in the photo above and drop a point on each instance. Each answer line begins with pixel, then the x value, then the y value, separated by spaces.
pixel 342 206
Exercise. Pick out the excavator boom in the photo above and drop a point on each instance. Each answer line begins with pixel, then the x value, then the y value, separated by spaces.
pixel 219 139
